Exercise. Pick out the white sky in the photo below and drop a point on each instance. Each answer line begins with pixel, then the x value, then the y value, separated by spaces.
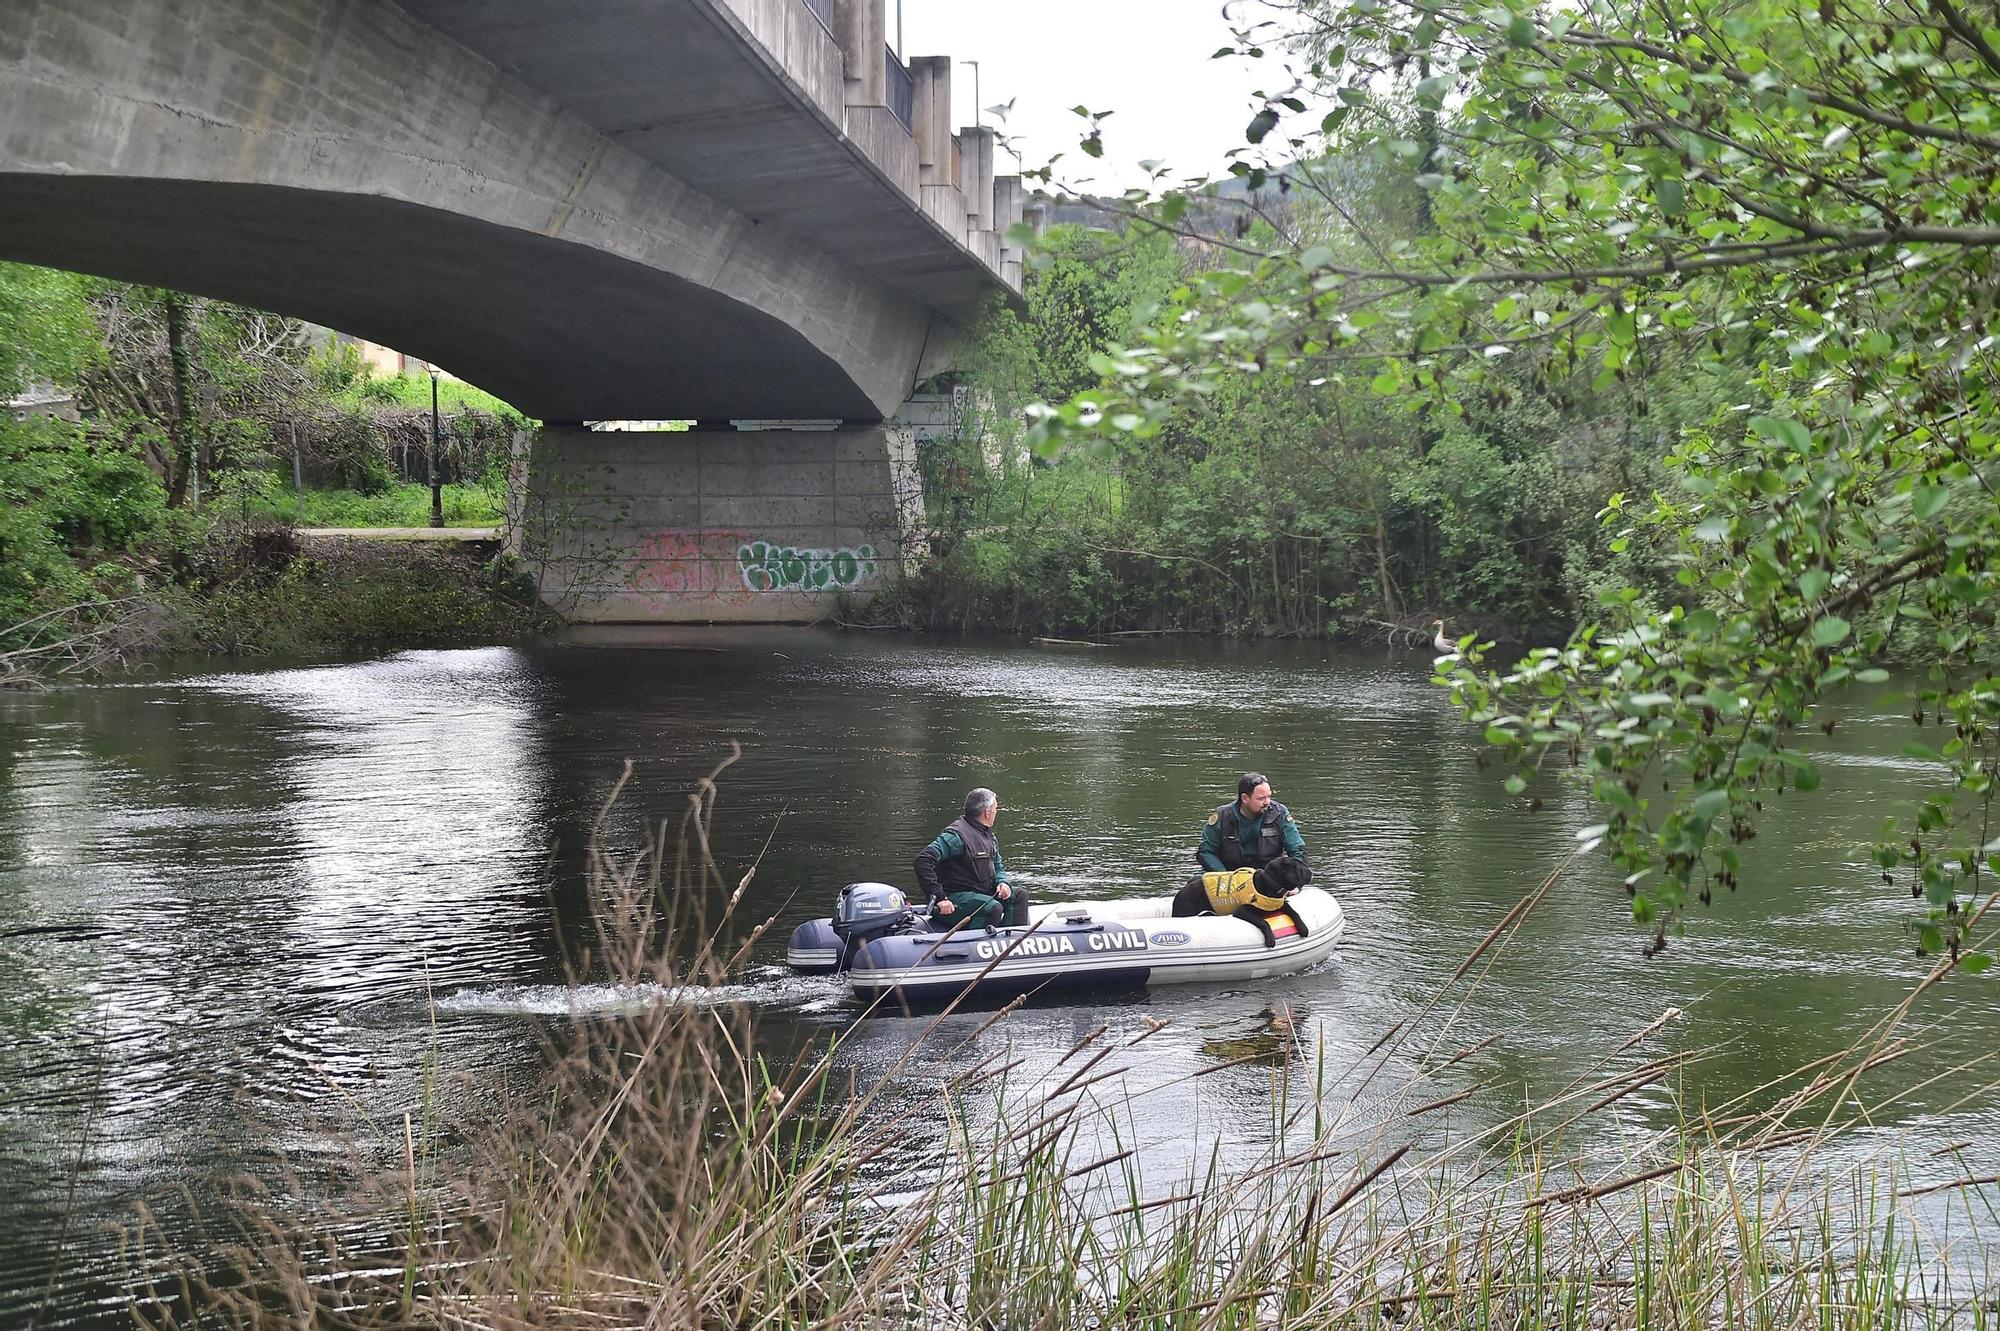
pixel 1147 60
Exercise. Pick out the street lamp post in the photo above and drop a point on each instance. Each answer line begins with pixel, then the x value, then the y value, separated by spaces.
pixel 976 121
pixel 431 458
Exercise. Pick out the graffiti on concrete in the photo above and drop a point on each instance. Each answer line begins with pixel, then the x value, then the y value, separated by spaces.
pixel 773 568
pixel 687 561
pixel 734 565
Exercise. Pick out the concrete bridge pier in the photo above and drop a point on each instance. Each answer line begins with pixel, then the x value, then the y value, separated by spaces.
pixel 715 525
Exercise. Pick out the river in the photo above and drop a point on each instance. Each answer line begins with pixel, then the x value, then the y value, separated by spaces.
pixel 243 908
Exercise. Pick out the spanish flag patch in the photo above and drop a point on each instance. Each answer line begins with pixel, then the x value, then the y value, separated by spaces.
pixel 1282 924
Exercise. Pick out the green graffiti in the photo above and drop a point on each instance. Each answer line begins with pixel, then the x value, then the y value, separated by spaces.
pixel 772 568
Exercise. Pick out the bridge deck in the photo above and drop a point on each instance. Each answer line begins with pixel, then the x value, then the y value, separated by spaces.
pixel 758 125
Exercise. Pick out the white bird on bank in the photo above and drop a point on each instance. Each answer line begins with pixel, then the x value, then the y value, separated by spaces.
pixel 1447 649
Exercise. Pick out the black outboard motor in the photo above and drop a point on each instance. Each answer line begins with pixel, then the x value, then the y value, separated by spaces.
pixel 867 911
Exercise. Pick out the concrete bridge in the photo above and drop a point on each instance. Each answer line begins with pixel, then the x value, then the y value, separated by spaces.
pixel 720 210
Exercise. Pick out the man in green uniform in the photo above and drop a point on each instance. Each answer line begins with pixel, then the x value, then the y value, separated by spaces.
pixel 962 872
pixel 1251 831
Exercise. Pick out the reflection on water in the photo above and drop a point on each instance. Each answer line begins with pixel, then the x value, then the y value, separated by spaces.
pixel 239 910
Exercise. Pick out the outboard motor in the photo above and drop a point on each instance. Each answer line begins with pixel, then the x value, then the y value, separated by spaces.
pixel 867 911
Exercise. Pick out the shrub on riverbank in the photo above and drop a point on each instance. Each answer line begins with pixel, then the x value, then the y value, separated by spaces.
pixel 664 1175
pixel 248 591
pixel 69 509
pixel 1280 506
pixel 254 592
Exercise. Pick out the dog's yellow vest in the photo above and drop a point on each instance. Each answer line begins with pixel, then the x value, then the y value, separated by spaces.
pixel 1236 887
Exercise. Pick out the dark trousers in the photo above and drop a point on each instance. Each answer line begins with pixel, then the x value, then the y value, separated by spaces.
pixel 978 910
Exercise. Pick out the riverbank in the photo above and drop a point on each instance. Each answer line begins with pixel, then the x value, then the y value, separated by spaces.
pixel 965 595
pixel 322 595
pixel 1067 566
pixel 273 591
pixel 665 1177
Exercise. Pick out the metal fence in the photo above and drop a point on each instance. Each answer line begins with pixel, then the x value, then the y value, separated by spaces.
pixel 898 87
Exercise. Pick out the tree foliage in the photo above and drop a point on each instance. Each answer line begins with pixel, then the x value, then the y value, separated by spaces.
pixel 1806 191
pixel 196 385
pixel 1270 503
pixel 45 327
pixel 191 412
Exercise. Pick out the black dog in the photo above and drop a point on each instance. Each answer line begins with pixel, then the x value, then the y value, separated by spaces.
pixel 1280 878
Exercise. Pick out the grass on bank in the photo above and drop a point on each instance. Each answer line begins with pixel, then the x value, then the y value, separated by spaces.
pixel 413 389
pixel 402 505
pixel 663 1175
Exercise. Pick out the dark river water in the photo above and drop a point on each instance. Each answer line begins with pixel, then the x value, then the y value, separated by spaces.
pixel 242 909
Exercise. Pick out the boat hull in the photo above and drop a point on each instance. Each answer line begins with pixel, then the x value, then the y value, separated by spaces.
pixel 1103 945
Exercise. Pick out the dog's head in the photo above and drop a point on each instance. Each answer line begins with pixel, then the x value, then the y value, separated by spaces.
pixel 1282 877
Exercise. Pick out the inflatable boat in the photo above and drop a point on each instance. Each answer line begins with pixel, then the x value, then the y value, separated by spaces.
pixel 883 946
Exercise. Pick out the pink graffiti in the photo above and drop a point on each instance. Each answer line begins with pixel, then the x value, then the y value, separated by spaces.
pixel 688 561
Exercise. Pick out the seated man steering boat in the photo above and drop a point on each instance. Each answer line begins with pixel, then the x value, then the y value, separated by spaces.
pixel 963 875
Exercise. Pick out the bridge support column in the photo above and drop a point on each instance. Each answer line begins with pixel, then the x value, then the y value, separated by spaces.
pixel 860 28
pixel 763 526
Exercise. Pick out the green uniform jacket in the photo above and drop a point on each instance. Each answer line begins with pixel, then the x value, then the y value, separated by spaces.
pixel 972 907
pixel 1212 835
pixel 948 845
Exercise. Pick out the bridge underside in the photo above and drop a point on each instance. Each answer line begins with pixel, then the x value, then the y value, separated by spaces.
pixel 343 161
pixel 562 331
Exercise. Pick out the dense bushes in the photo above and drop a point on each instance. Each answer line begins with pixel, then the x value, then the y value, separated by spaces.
pixel 259 592
pixel 1278 507
pixel 69 507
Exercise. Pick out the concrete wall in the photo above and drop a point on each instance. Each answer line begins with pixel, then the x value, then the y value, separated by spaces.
pixel 774 526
